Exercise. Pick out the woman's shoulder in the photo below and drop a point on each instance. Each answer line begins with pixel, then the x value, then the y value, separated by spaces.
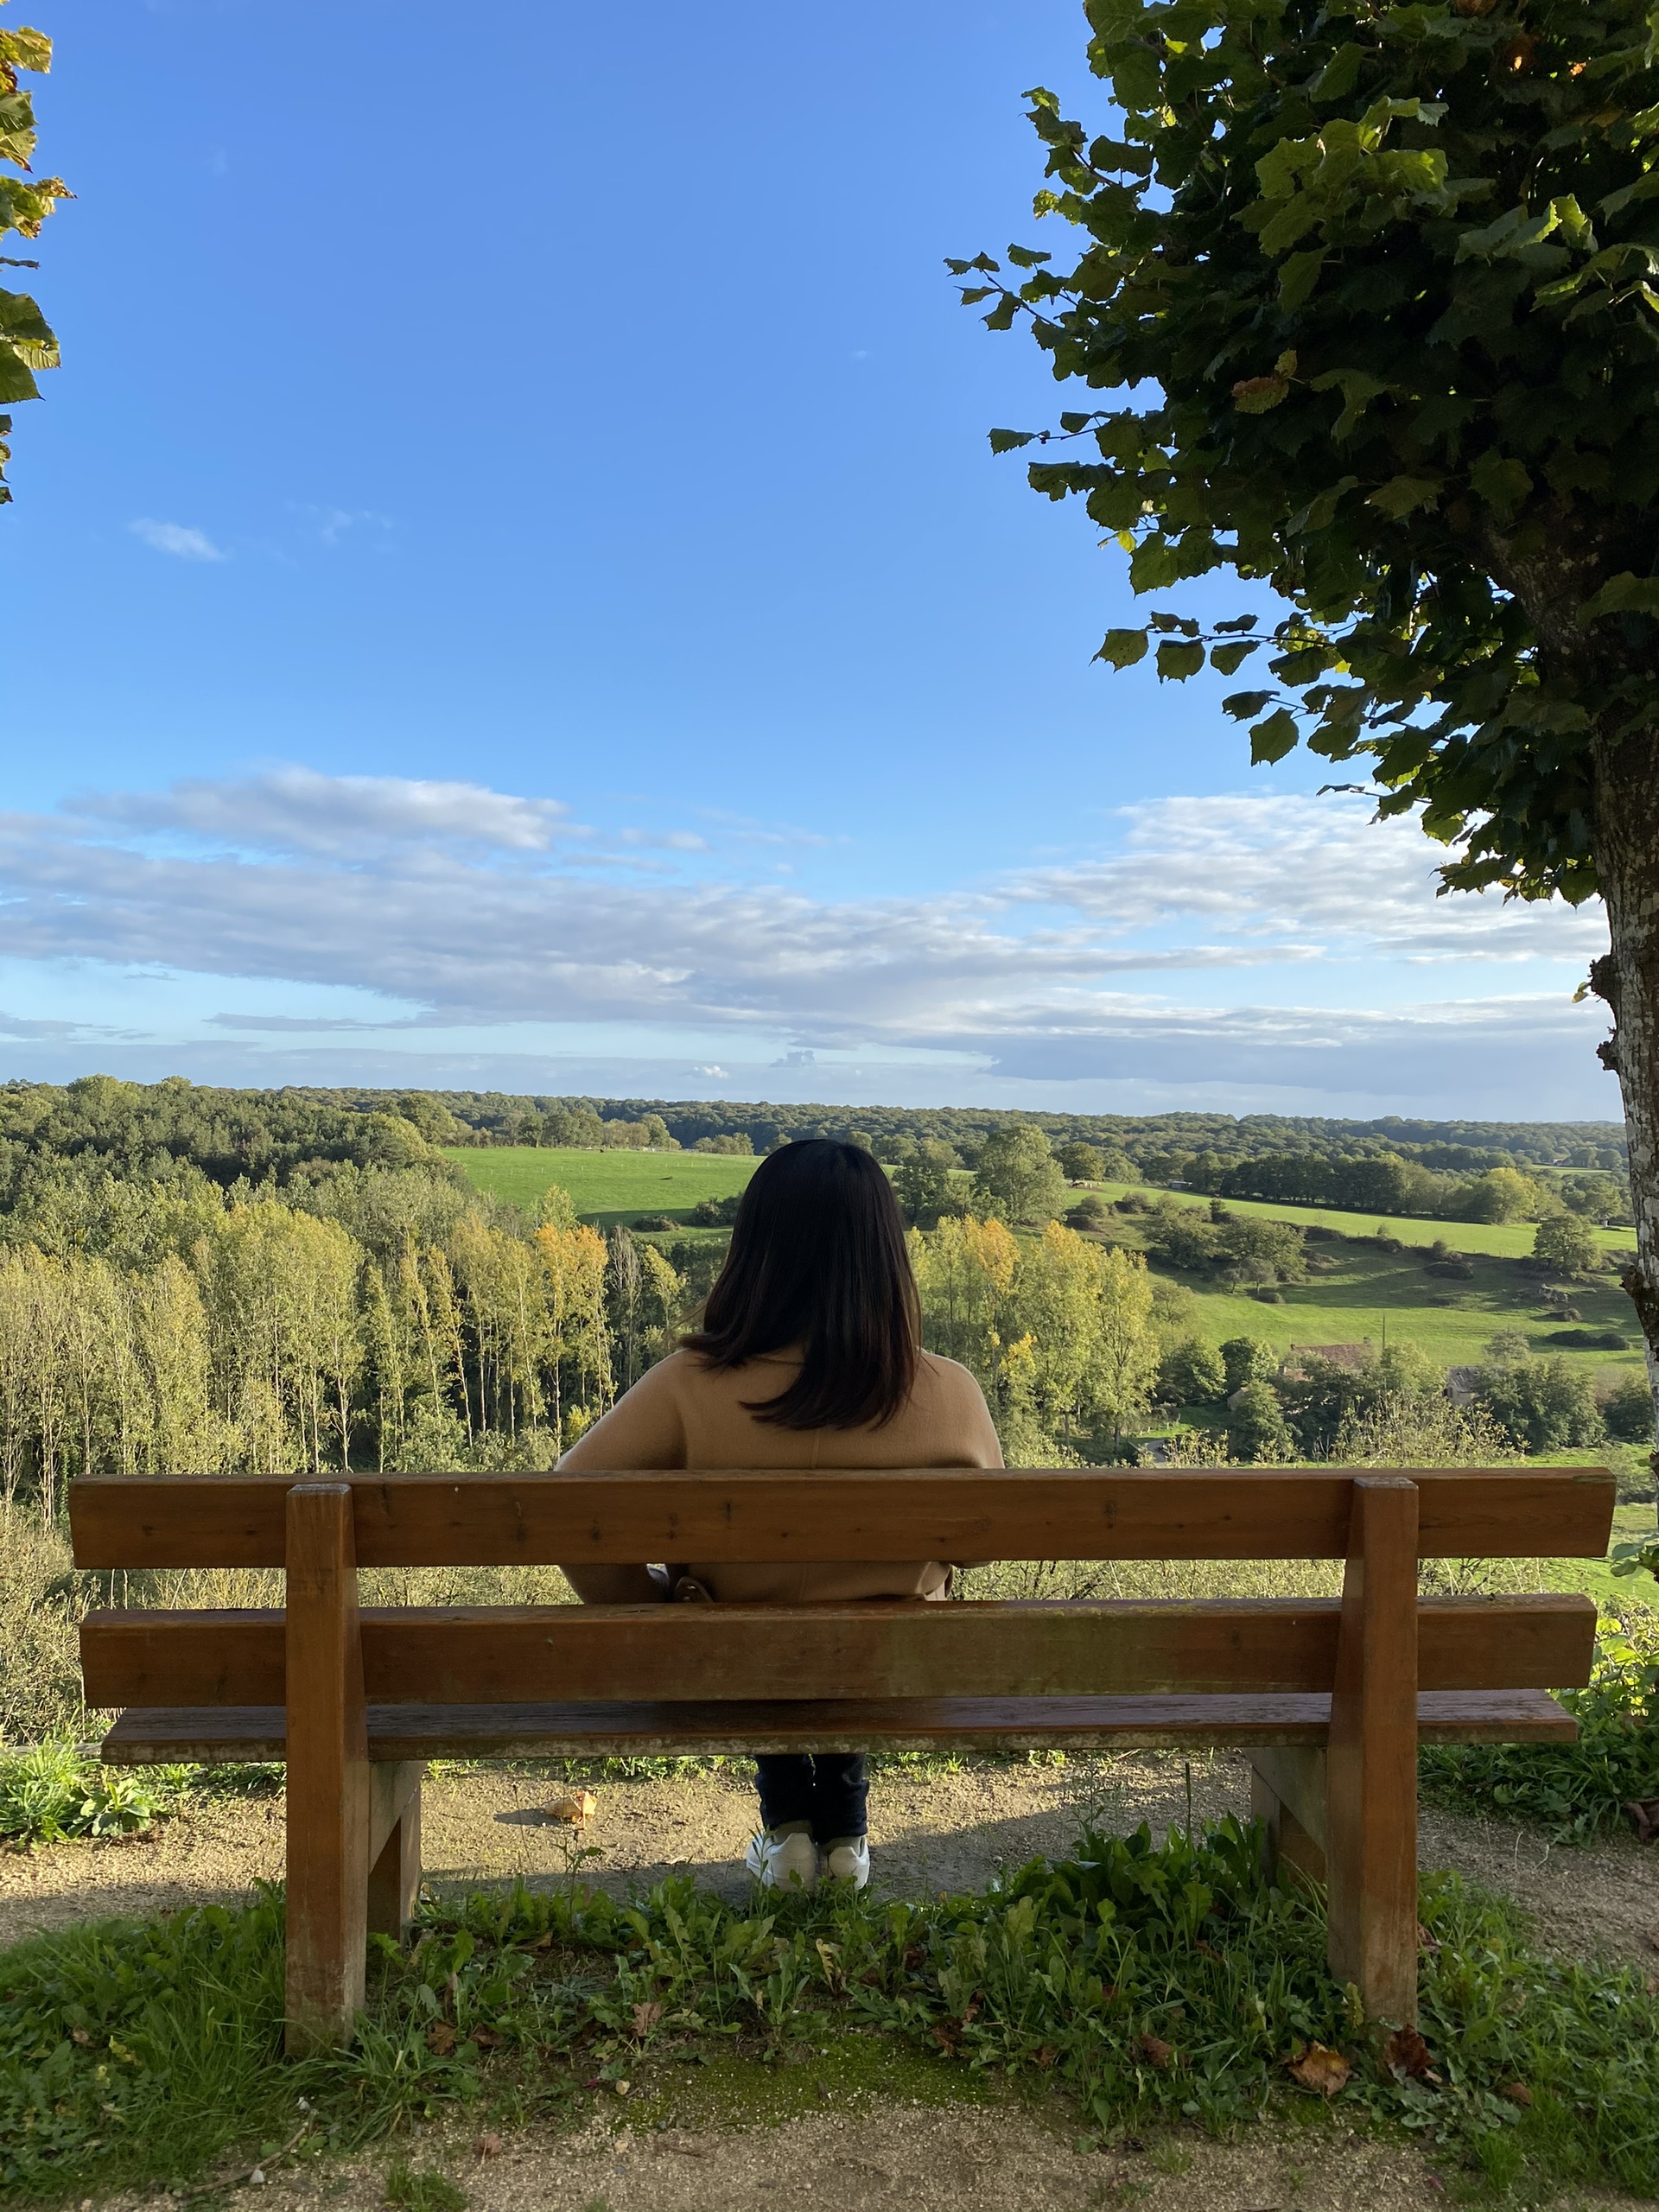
pixel 950 1376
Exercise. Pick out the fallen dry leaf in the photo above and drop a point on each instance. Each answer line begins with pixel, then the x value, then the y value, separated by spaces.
pixel 1426 1941
pixel 1646 1817
pixel 1048 2055
pixel 574 1812
pixel 622 2087
pixel 646 2017
pixel 487 2146
pixel 1155 2051
pixel 1405 2052
pixel 487 2038
pixel 1517 2093
pixel 78 2035
pixel 440 2038
pixel 1322 2070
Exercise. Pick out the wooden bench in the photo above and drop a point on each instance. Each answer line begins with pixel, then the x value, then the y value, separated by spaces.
pixel 1329 1697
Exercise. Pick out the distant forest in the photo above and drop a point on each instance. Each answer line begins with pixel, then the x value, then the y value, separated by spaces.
pixel 270 1137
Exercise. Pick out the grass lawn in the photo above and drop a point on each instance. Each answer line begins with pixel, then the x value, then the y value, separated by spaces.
pixel 606 1187
pixel 1505 1240
pixel 1362 1292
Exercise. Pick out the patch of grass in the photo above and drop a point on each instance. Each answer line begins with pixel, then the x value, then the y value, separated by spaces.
pixel 426 2191
pixel 604 1187
pixel 1574 1791
pixel 1148 1988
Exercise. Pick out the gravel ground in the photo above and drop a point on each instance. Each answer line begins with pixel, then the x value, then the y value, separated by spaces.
pixel 930 1829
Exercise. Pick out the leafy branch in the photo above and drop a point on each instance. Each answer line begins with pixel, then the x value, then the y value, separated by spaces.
pixel 26 341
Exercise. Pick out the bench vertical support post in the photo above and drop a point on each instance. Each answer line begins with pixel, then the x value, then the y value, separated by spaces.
pixel 395 1876
pixel 1371 1764
pixel 327 1772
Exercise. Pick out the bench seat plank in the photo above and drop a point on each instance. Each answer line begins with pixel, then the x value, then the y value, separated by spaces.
pixel 220 1734
pixel 956 1513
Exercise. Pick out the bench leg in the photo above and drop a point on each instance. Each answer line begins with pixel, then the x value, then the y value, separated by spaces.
pixel 1288 1792
pixel 394 1874
pixel 1371 1766
pixel 328 1788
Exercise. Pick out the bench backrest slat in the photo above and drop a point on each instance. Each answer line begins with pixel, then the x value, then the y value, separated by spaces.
pixel 482 1656
pixel 539 1520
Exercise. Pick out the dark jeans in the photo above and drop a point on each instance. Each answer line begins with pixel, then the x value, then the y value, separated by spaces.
pixel 829 1788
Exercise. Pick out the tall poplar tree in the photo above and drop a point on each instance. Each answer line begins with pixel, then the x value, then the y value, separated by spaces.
pixel 1381 285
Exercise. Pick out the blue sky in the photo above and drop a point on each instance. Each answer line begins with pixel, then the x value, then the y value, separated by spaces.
pixel 510 589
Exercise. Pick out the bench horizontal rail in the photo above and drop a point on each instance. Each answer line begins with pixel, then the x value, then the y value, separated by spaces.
pixel 653 1728
pixel 421 1655
pixel 953 1514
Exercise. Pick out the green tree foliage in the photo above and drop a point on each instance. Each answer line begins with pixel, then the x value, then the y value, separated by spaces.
pixel 1181 1238
pixel 27 343
pixel 922 1183
pixel 1501 1194
pixel 1192 1373
pixel 1544 1405
pixel 1257 1428
pixel 1628 1411
pixel 1061 1334
pixel 1381 283
pixel 1019 1176
pixel 1264 1251
pixel 1566 1245
pixel 1082 1163
pixel 1247 1359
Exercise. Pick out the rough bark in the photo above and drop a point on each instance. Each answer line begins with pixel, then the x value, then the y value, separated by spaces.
pixel 1627 858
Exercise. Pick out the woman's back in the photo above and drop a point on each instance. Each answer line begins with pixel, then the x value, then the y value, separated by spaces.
pixel 684 1412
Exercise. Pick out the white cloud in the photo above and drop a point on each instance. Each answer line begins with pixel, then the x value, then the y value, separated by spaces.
pixel 1301 869
pixel 295 810
pixel 470 909
pixel 181 539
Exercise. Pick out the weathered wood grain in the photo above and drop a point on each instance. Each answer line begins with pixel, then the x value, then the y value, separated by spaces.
pixel 477 1655
pixel 1071 1513
pixel 327 1772
pixel 1371 1838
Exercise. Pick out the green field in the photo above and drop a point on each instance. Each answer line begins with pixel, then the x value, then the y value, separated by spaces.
pixel 604 1187
pixel 1506 1240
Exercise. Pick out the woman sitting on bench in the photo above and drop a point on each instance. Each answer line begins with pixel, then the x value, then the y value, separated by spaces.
pixel 809 1357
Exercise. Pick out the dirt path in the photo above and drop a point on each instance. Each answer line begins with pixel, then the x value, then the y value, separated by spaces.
pixel 931 1830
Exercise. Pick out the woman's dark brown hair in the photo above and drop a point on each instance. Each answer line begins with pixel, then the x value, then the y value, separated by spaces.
pixel 818 1260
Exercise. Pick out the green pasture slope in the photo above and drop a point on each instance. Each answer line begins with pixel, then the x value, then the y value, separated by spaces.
pixel 606 1187
pixel 1509 1240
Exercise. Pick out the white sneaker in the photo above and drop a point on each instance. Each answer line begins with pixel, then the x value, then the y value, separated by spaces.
pixel 783 1862
pixel 847 1860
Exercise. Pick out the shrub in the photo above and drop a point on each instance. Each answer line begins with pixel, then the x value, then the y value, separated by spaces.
pixel 1565 1245
pixel 1628 1411
pixel 1192 1373
pixel 1245 1359
pixel 1547 1405
pixel 1257 1428
pixel 715 1213
pixel 1589 1339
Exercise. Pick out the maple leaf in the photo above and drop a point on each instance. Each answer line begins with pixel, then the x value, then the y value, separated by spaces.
pixel 440 2038
pixel 1321 2069
pixel 574 1812
pixel 646 2017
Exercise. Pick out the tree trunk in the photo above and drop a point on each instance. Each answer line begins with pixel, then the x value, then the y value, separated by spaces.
pixel 1627 858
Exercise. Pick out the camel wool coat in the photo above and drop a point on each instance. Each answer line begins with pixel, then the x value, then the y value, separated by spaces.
pixel 683 1413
